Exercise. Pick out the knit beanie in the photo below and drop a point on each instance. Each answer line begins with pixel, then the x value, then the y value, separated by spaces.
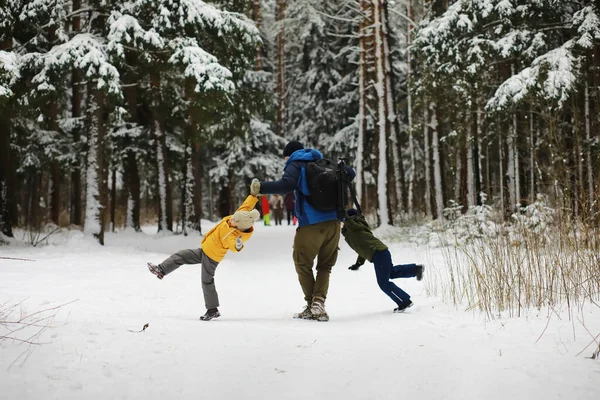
pixel 245 219
pixel 291 147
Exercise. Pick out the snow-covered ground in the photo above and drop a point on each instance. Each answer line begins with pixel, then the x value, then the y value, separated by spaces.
pixel 256 350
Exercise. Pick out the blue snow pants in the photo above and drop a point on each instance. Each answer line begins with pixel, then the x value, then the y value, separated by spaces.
pixel 385 270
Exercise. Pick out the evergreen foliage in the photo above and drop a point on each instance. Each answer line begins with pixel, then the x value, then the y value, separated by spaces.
pixel 174 105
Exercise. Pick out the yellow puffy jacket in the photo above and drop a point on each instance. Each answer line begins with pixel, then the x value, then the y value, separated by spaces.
pixel 222 237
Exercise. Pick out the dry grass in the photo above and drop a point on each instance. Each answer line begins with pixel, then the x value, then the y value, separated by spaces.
pixel 510 273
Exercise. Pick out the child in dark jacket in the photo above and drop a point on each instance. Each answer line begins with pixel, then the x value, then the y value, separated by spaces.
pixel 359 237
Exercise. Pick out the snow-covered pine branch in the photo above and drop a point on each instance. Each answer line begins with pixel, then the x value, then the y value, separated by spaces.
pixel 9 72
pixel 170 16
pixel 553 76
pixel 588 26
pixel 84 51
pixel 203 67
pixel 53 13
pixel 125 30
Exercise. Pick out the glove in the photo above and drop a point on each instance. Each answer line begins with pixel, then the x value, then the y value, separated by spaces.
pixel 255 187
pixel 238 243
pixel 354 267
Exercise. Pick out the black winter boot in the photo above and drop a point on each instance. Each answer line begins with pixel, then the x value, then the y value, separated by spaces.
pixel 403 307
pixel 210 314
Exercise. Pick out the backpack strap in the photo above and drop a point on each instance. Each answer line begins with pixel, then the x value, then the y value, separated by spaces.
pixel 300 186
pixel 344 181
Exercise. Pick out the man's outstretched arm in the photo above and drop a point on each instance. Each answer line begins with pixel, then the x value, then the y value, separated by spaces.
pixel 287 183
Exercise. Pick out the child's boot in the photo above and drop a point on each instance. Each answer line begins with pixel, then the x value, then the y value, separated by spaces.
pixel 156 270
pixel 404 306
pixel 210 314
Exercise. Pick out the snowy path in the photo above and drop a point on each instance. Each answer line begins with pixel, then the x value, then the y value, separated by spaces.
pixel 256 350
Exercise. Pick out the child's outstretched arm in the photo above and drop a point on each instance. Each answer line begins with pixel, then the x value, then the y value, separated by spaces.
pixel 249 203
pixel 359 262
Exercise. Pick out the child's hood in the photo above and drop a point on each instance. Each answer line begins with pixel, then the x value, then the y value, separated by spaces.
pixel 355 220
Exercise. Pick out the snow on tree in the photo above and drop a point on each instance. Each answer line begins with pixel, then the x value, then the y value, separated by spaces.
pixel 167 35
pixel 9 72
pixel 85 51
pixel 553 74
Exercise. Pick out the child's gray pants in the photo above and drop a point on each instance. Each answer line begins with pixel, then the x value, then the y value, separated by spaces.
pixel 196 256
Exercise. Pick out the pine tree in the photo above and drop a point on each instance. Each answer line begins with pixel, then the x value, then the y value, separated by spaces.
pixel 171 40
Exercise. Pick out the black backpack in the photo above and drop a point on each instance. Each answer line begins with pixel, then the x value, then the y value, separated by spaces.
pixel 328 184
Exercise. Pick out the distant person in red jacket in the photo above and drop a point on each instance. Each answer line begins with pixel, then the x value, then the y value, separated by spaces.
pixel 266 211
pixel 290 203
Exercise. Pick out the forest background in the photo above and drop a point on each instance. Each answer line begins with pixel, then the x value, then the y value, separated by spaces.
pixel 118 114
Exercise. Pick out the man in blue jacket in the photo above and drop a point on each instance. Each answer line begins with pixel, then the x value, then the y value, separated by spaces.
pixel 318 232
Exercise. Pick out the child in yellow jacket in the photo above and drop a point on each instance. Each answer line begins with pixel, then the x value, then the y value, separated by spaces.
pixel 229 234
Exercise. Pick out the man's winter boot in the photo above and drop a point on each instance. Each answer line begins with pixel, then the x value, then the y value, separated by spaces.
pixel 420 270
pixel 305 314
pixel 210 314
pixel 403 307
pixel 156 270
pixel 317 308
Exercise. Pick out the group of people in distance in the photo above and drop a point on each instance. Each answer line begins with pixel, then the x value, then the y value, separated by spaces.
pixel 274 205
pixel 317 236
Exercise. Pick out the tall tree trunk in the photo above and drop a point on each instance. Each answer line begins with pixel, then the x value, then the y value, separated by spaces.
pixel 165 211
pixel 512 187
pixel 197 172
pixel 96 171
pixel 473 158
pixel 369 115
pixel 76 101
pixel 477 154
pixel 113 197
pixel 189 220
pixel 33 218
pixel 55 169
pixel 395 174
pixel 192 191
pixel 427 161
pixel 470 161
pixel 8 210
pixel 579 179
pixel 501 166
pixel 513 162
pixel 7 170
pixel 588 151
pixel 131 173
pixel 280 72
pixel 185 201
pixel 51 112
pixel 362 106
pixel 225 202
pixel 488 178
pixel 411 140
pixel 517 173
pixel 382 106
pixel 132 178
pixel 437 165
pixel 458 172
